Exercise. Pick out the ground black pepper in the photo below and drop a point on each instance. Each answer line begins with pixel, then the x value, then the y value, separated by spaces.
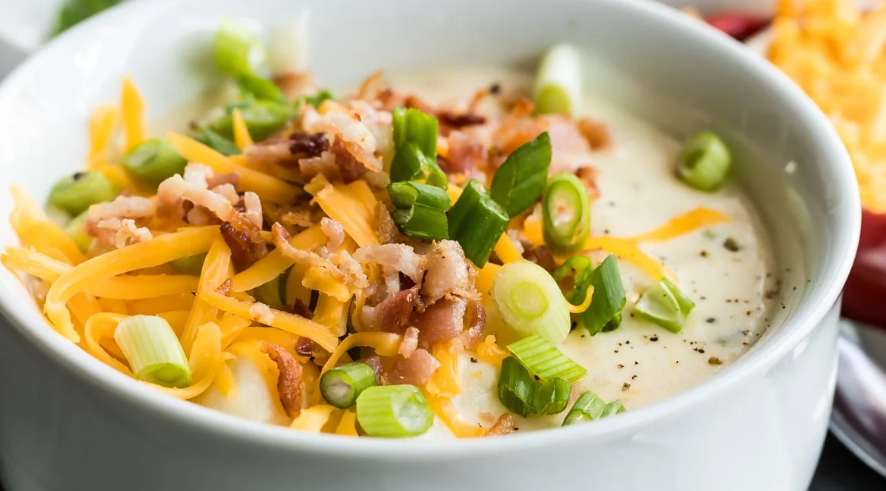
pixel 731 245
pixel 625 387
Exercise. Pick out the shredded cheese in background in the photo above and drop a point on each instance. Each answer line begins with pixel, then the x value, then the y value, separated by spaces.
pixel 835 52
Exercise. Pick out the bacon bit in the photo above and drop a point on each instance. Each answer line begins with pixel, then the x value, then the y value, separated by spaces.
pixel 324 164
pixel 344 125
pixel 253 208
pixel 289 383
pixel 216 180
pixel 505 425
pixel 447 271
pixel 225 287
pixel 334 231
pixel 413 102
pixel 400 257
pixel 269 153
pixel 465 154
pixel 392 313
pixel 596 133
pixel 260 312
pixel 122 207
pixel 385 228
pixel 352 270
pixel 199 215
pixel 294 84
pixel 300 309
pixel 478 98
pixel 370 87
pixel 441 321
pixel 375 364
pixel 281 241
pixel 415 370
pixel 588 176
pixel 244 251
pixel 299 218
pixel 475 321
pixel 348 166
pixel 303 145
pixel 304 347
pixel 460 120
pixel 409 343
pixel 542 256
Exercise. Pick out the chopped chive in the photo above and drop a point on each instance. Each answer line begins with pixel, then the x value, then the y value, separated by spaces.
pixel 262 118
pixel 394 411
pixel 705 162
pixel 530 302
pixel 318 98
pixel 421 210
pixel 238 50
pixel 74 228
pixel 415 148
pixel 664 304
pixel 342 385
pixel 566 213
pixel 477 222
pixel 522 394
pixel 77 192
pixel 218 143
pixel 590 407
pixel 153 161
pixel 269 294
pixel 544 359
pixel 153 351
pixel 191 265
pixel 558 83
pixel 520 180
pixel 604 314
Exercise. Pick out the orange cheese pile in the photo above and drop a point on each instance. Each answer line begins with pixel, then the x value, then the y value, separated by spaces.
pixel 834 51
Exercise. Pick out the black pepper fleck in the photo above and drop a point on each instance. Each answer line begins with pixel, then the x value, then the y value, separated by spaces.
pixel 633 377
pixel 714 361
pixel 731 245
pixel 625 387
pixel 495 88
pixel 473 360
pixel 620 366
pixel 653 338
pixel 710 320
pixel 703 253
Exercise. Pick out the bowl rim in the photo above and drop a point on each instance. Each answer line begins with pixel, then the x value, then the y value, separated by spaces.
pixel 823 293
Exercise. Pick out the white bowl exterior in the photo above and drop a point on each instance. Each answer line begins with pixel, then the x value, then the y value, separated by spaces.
pixel 68 422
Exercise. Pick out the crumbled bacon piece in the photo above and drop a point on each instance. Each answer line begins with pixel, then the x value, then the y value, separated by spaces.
pixel 393 312
pixel 542 256
pixel 300 309
pixel 409 343
pixel 596 133
pixel 294 84
pixel 334 231
pixel 289 383
pixel 304 347
pixel 399 257
pixel 348 166
pixel 447 271
pixel 460 120
pixel 413 102
pixel 475 320
pixel 122 207
pixel 244 251
pixel 271 152
pixel 260 312
pixel 216 180
pixel 385 228
pixel 225 287
pixel 304 145
pixel 465 154
pixel 505 425
pixel 588 176
pixel 415 370
pixel 441 321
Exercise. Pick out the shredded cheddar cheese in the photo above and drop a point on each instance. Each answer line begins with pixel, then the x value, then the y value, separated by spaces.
pixel 215 270
pixel 133 106
pixel 36 230
pixel 835 53
pixel 352 205
pixel 347 426
pixel 506 250
pixel 446 380
pixel 490 352
pixel 102 124
pixel 313 419
pixel 241 132
pixel 384 344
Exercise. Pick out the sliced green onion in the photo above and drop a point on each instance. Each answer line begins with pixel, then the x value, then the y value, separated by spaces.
pixel 415 148
pixel 269 294
pixel 77 192
pixel 477 222
pixel 342 385
pixel 421 210
pixel 552 396
pixel 153 161
pixel 664 304
pixel 262 118
pixel 604 313
pixel 394 411
pixel 566 213
pixel 260 88
pixel 530 302
pixel 544 359
pixel 75 11
pixel 74 228
pixel 238 50
pixel 191 265
pixel 522 394
pixel 520 180
pixel 153 351
pixel 590 407
pixel 558 84
pixel 705 162
pixel 318 98
pixel 218 143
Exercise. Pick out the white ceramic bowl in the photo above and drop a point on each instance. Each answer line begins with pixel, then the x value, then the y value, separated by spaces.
pixel 67 422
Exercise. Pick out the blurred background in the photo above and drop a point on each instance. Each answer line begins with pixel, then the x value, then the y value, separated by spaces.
pixel 25 25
